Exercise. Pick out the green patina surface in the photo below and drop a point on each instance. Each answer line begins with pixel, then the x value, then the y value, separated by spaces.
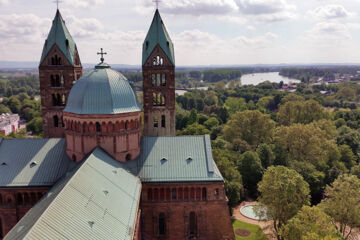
pixel 158 35
pixel 102 91
pixel 99 199
pixel 57 36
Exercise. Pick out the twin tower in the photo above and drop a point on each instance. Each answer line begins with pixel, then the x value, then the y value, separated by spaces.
pixel 60 68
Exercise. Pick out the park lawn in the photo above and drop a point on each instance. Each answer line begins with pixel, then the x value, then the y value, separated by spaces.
pixel 256 232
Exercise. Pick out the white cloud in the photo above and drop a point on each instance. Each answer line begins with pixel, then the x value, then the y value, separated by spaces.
pixel 190 7
pixel 233 19
pixel 329 33
pixel 84 3
pixel 23 28
pixel 258 42
pixel 84 27
pixel 3 2
pixel 257 7
pixel 330 12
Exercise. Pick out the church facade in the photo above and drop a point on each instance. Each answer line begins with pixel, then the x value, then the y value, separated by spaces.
pixel 99 174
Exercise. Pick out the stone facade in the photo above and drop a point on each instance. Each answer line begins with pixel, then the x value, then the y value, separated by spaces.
pixel 185 211
pixel 15 203
pixel 56 81
pixel 159 95
pixel 118 134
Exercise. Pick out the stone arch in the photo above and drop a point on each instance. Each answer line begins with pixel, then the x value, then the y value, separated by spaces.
pixel 19 199
pixel 126 126
pixel 204 194
pixel 103 127
pixel 78 127
pixel 91 127
pixel 98 127
pixel 110 127
pixel 85 127
pixel 117 126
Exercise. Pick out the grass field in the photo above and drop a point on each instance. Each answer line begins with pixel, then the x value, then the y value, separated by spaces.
pixel 256 232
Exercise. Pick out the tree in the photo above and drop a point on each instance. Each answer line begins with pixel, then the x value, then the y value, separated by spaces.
pixel 310 223
pixel 265 103
pixel 283 191
pixel 342 203
pixel 14 104
pixel 253 127
pixel 4 109
pixel 195 129
pixel 234 105
pixel 355 170
pixel 35 126
pixel 266 155
pixel 300 112
pixel 347 156
pixel 193 117
pixel 211 123
pixel 349 137
pixel 251 170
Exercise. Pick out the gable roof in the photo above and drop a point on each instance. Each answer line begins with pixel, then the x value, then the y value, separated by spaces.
pixel 176 159
pixel 57 36
pixel 158 35
pixel 98 200
pixel 32 162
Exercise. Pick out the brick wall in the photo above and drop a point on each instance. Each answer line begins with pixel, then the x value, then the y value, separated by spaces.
pixel 206 202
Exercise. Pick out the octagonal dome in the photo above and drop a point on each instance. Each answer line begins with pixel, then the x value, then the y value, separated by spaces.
pixel 102 91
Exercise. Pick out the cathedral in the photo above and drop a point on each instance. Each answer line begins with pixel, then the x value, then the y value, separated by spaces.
pixel 109 168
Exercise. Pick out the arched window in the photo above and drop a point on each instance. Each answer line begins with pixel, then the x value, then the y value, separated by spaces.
pixel 126 125
pixel 168 194
pixel 192 193
pixel 128 157
pixel 74 157
pixel 1 200
pixel 56 121
pixel 198 194
pixel 180 193
pixel 163 122
pixel 163 79
pixel 204 194
pixel 173 194
pixel 162 194
pixel 62 80
pixel 192 224
pixel 153 79
pixel 186 193
pixel 63 100
pixel 156 121
pixel 19 199
pixel 57 81
pixel 150 194
pixel 26 198
pixel 162 227
pixel 52 80
pixel 156 194
pixel 98 127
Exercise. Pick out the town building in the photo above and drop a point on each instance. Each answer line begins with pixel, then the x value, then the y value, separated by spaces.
pixel 105 177
pixel 9 123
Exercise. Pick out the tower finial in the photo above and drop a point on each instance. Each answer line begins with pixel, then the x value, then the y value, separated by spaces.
pixel 157 3
pixel 102 53
pixel 57 3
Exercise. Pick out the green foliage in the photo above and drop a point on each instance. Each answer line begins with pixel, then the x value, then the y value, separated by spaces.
pixel 347 156
pixel 217 75
pixel 300 112
pixel 211 123
pixel 342 203
pixel 266 155
pixel 253 127
pixel 251 170
pixel 4 109
pixel 195 129
pixel 35 126
pixel 355 170
pixel 350 137
pixel 310 223
pixel 283 192
pixel 234 105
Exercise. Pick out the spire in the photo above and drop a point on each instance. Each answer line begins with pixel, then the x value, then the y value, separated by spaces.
pixel 59 35
pixel 158 34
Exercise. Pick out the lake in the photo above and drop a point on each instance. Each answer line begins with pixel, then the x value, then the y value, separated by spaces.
pixel 257 78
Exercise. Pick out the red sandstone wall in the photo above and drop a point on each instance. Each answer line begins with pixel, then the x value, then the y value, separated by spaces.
pixel 15 203
pixel 212 214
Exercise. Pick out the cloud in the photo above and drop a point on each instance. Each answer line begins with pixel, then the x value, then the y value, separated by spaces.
pixel 259 7
pixel 190 7
pixel 83 27
pixel 258 42
pixel 330 12
pixel 25 28
pixel 84 3
pixel 4 2
pixel 329 33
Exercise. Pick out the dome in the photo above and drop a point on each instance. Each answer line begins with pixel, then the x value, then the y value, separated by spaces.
pixel 102 91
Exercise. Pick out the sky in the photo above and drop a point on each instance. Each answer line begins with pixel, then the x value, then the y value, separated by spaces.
pixel 204 32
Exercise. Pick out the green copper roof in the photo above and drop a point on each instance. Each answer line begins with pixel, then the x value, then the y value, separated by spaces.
pixel 102 91
pixel 32 162
pixel 98 200
pixel 58 36
pixel 158 35
pixel 175 159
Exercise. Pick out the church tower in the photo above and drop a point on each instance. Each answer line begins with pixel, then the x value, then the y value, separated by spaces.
pixel 59 68
pixel 158 67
